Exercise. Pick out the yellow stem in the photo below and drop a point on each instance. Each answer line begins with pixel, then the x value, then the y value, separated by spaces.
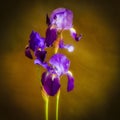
pixel 56 43
pixel 46 99
pixel 57 104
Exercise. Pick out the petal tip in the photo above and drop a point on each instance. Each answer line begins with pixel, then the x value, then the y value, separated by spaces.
pixel 28 53
pixel 70 86
pixel 48 20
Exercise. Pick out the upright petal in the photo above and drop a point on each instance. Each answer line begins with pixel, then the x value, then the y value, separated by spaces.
pixel 62 18
pixel 60 62
pixel 70 81
pixel 51 83
pixel 36 41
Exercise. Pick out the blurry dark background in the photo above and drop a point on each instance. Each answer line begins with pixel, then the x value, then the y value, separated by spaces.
pixel 94 63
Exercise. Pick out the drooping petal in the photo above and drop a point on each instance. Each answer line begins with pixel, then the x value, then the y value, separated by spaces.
pixel 51 36
pixel 62 18
pixel 60 62
pixel 75 35
pixel 40 55
pixel 28 53
pixel 44 64
pixel 37 61
pixel 70 48
pixel 43 78
pixel 70 85
pixel 36 41
pixel 51 83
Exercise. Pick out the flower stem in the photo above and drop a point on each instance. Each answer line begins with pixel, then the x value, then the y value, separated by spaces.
pixel 57 45
pixel 46 99
pixel 44 95
pixel 57 104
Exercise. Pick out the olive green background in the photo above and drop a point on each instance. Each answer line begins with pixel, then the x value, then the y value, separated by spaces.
pixel 94 62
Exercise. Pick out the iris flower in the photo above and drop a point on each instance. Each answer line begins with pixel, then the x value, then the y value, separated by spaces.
pixel 59 65
pixel 59 20
pixel 37 45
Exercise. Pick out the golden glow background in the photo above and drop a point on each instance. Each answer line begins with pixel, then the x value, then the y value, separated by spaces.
pixel 94 63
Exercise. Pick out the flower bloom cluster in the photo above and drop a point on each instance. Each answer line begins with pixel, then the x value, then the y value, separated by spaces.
pixel 60 19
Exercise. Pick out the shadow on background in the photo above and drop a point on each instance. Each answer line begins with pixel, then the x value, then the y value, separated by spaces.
pixel 95 64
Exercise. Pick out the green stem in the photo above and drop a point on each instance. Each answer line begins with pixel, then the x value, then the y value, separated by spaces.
pixel 57 104
pixel 44 95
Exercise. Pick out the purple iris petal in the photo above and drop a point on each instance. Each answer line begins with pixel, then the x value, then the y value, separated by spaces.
pixel 36 41
pixel 61 44
pixel 51 83
pixel 37 61
pixel 70 81
pixel 51 36
pixel 75 35
pixel 62 18
pixel 40 55
pixel 60 62
pixel 28 53
pixel 43 78
pixel 44 64
pixel 70 48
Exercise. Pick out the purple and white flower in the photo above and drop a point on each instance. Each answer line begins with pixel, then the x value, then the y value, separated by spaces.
pixel 51 79
pixel 60 19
